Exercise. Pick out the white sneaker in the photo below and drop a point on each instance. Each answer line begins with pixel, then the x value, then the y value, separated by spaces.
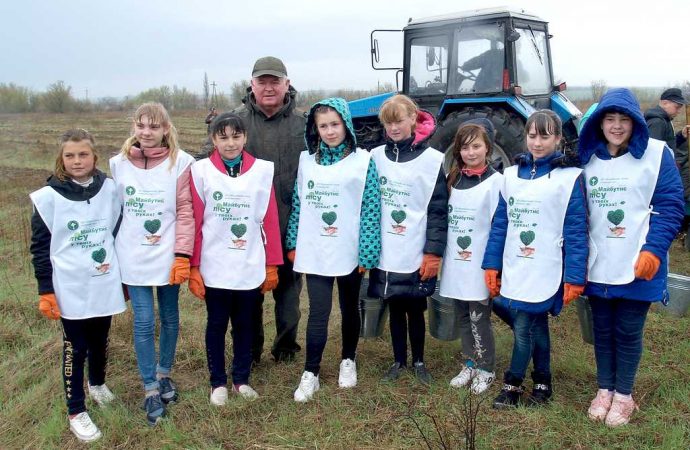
pixel 219 396
pixel 307 386
pixel 481 381
pixel 464 377
pixel 246 391
pixel 83 428
pixel 101 394
pixel 348 374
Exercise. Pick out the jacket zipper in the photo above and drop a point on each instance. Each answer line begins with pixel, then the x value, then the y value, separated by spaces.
pixel 533 172
pixel 396 151
pixel 385 286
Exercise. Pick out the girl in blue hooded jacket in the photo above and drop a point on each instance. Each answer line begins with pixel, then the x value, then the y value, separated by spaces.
pixel 536 257
pixel 635 198
pixel 333 234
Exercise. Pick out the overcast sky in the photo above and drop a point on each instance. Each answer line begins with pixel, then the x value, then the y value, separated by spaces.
pixel 121 47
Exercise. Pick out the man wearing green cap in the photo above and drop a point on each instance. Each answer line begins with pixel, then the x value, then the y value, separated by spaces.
pixel 275 132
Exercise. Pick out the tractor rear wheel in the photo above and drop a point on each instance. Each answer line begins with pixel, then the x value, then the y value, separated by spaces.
pixel 509 139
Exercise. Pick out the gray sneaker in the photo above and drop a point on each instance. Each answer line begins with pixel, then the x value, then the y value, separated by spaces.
pixel 393 372
pixel 421 373
pixel 155 409
pixel 168 390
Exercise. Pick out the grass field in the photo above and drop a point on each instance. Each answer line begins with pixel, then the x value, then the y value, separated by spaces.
pixel 374 415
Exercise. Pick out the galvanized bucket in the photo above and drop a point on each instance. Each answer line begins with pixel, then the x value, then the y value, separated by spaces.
pixel 679 295
pixel 373 313
pixel 444 317
pixel 584 313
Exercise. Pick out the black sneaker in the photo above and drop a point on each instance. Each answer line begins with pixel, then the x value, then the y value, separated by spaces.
pixel 541 395
pixel 168 390
pixel 393 372
pixel 509 397
pixel 422 373
pixel 284 356
pixel 155 409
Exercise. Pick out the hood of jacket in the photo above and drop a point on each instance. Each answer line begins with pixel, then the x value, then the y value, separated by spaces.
pixel 74 192
pixel 311 134
pixel 592 140
pixel 288 103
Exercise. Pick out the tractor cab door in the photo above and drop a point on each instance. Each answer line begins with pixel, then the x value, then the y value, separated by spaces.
pixel 426 78
pixel 480 58
pixel 533 60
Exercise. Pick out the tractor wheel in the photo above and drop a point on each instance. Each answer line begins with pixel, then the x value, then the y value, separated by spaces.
pixel 509 139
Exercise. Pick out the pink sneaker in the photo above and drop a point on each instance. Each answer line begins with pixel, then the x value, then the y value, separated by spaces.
pixel 601 404
pixel 621 410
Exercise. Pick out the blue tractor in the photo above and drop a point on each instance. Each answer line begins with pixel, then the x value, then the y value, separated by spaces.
pixel 490 63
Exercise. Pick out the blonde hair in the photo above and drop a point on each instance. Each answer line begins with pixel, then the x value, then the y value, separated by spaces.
pixel 157 115
pixel 73 135
pixel 397 108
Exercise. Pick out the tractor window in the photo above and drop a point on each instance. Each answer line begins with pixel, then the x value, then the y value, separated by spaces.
pixel 429 65
pixel 532 62
pixel 481 58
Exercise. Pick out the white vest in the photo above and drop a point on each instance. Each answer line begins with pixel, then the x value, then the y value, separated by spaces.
pixel 145 242
pixel 329 216
pixel 619 191
pixel 232 252
pixel 470 212
pixel 532 256
pixel 406 190
pixel 86 273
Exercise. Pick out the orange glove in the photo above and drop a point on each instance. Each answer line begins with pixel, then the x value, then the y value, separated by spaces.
pixel 647 265
pixel 430 266
pixel 48 306
pixel 271 281
pixel 291 256
pixel 196 284
pixel 571 292
pixel 492 282
pixel 361 270
pixel 180 270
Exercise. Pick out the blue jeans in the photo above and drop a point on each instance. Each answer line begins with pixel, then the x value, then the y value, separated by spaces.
pixel 531 341
pixel 144 330
pixel 618 327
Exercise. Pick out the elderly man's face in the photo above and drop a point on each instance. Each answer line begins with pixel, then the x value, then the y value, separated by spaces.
pixel 671 108
pixel 269 91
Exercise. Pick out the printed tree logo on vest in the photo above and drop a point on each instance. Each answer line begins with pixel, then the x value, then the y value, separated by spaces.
pixel 152 226
pixel 310 184
pixel 72 225
pixel 464 242
pixel 239 230
pixel 217 196
pixel 383 181
pixel 329 218
pixel 616 217
pixel 450 209
pixel 99 256
pixel 527 237
pixel 593 181
pixel 398 217
pixel 129 190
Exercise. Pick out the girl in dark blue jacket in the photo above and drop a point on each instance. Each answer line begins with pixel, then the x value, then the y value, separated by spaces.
pixel 536 256
pixel 635 200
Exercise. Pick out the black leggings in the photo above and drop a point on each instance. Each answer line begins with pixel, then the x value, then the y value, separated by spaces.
pixel 83 339
pixel 407 314
pixel 320 289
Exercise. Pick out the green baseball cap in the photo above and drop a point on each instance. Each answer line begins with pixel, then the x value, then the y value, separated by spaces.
pixel 269 65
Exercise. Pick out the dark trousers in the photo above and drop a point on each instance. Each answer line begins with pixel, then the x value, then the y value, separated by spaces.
pixel 618 333
pixel 476 333
pixel 223 306
pixel 320 289
pixel 83 339
pixel 287 315
pixel 407 315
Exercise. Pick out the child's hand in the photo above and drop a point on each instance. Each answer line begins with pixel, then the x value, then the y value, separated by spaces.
pixel 271 281
pixel 493 283
pixel 180 270
pixel 291 256
pixel 647 265
pixel 571 292
pixel 196 284
pixel 430 266
pixel 48 306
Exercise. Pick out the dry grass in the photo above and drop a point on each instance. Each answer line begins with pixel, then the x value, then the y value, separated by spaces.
pixel 374 415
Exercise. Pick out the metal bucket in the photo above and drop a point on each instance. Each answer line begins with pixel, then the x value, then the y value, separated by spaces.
pixel 373 313
pixel 444 317
pixel 584 313
pixel 679 295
